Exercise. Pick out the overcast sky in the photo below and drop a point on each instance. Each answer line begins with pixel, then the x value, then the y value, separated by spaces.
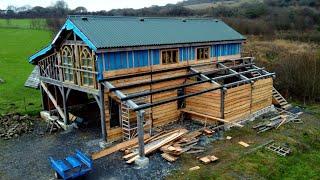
pixel 91 5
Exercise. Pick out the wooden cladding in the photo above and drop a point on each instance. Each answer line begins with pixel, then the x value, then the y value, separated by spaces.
pixel 207 103
pixel 239 102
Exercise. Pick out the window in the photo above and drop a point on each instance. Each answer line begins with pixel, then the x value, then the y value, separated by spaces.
pixel 169 56
pixel 86 67
pixel 67 63
pixel 203 53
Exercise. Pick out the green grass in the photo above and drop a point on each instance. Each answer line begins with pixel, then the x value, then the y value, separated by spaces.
pixel 15 48
pixel 236 163
pixel 19 23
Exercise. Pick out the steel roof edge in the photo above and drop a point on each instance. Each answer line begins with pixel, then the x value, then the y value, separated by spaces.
pixel 68 25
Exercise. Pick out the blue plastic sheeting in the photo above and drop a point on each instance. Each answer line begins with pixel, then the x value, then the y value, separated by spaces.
pixel 67 26
pixel 141 58
pixel 186 53
pixel 40 53
pixel 129 59
pixel 225 49
pixel 100 66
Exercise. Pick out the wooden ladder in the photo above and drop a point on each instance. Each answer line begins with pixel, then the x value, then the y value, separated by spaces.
pixel 277 98
pixel 127 129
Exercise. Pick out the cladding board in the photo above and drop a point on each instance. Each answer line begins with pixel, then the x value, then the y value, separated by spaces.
pixel 208 103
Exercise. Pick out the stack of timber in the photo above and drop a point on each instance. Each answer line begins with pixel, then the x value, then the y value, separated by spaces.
pixel 237 102
pixel 278 99
pixel 171 143
pixel 154 144
pixel 207 103
pixel 261 94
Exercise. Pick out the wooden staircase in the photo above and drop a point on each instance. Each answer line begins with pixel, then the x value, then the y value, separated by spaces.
pixel 278 99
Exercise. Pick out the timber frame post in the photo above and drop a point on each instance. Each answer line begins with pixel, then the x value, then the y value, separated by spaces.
pixel 140 119
pixel 100 102
pixel 65 107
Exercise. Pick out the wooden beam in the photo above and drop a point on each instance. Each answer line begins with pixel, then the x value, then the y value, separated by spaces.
pixel 117 147
pixel 54 102
pixel 210 117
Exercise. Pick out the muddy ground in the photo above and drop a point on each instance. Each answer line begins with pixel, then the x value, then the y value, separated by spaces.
pixel 26 157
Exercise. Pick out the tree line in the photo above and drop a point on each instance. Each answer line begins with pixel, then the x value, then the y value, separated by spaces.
pixel 257 17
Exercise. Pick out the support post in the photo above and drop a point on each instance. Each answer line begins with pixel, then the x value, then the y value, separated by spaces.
pixel 102 113
pixel 140 118
pixel 142 161
pixel 42 99
pixel 223 91
pixel 65 107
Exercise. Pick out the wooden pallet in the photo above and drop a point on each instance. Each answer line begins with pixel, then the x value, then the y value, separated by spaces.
pixel 281 151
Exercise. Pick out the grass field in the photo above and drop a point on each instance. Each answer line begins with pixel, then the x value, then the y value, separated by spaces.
pixel 236 162
pixel 20 23
pixel 15 48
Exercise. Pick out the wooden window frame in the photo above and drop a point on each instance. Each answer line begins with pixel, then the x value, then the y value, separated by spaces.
pixel 85 67
pixel 178 55
pixel 209 53
pixel 67 67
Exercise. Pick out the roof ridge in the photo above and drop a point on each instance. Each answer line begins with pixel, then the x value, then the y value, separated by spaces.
pixel 144 17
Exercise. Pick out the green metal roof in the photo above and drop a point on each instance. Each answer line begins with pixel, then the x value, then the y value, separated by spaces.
pixel 113 32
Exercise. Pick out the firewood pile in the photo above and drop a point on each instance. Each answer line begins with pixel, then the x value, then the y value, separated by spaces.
pixel 14 125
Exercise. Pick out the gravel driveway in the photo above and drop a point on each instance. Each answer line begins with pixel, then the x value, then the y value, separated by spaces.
pixel 27 157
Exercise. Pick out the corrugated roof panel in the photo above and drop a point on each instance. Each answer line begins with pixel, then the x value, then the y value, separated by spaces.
pixel 110 32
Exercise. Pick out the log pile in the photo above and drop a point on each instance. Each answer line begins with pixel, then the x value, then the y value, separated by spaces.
pixel 14 125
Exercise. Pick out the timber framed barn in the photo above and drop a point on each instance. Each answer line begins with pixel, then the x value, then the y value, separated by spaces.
pixel 149 72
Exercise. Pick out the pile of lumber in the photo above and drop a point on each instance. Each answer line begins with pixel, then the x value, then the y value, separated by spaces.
pixel 171 143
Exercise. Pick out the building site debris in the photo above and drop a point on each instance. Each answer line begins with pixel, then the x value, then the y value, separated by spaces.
pixel 280 150
pixel 194 168
pixel 282 118
pixel 243 144
pixel 169 157
pixel 259 147
pixel 207 131
pixel 155 145
pixel 117 147
pixel 14 125
pixel 208 159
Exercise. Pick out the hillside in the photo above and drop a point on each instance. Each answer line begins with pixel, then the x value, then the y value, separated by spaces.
pixel 203 4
